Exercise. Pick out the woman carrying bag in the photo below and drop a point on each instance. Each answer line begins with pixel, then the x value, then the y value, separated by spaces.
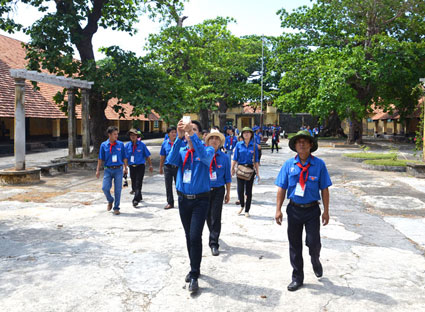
pixel 245 165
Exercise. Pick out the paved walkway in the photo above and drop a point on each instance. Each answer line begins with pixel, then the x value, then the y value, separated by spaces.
pixel 60 250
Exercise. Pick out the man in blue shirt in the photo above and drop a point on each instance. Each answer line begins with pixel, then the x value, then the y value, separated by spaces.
pixel 169 170
pixel 137 155
pixel 193 188
pixel 219 177
pixel 302 179
pixel 258 137
pixel 230 142
pixel 112 154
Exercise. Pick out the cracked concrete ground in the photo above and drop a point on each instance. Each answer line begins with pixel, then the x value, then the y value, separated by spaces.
pixel 60 250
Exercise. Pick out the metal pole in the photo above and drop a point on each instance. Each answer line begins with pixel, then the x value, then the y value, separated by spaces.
pixel 19 138
pixel 262 74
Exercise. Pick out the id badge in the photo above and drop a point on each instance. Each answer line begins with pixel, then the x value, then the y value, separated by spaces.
pixel 299 191
pixel 187 176
pixel 132 158
pixel 114 158
pixel 213 176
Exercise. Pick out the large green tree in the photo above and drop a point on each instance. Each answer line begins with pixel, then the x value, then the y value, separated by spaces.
pixel 72 25
pixel 345 55
pixel 212 64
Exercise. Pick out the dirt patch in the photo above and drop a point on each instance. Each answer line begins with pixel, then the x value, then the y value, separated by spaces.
pixel 36 197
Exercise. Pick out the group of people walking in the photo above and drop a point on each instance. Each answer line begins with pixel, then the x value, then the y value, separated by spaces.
pixel 202 171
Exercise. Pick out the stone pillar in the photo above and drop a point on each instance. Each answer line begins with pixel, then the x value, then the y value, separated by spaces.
pixel 72 131
pixel 117 124
pixel 85 107
pixel 56 128
pixel 385 127
pixel 395 126
pixel 19 127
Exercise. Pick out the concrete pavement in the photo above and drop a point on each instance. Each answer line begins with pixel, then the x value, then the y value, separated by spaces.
pixel 60 250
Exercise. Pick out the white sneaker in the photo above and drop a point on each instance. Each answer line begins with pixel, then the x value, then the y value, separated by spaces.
pixel 241 210
pixel 247 214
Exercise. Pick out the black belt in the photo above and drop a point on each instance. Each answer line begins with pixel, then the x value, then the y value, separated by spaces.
pixel 195 196
pixel 216 188
pixel 171 166
pixel 113 167
pixel 312 204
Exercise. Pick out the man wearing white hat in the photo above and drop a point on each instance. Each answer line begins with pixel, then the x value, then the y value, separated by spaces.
pixel 220 177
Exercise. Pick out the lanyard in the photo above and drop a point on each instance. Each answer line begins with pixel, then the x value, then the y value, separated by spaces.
pixel 302 181
pixel 171 143
pixel 231 140
pixel 110 146
pixel 214 160
pixel 134 147
pixel 189 152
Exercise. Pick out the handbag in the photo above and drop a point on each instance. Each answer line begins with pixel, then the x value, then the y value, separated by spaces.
pixel 245 173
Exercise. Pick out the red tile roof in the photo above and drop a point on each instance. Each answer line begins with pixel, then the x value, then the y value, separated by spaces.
pixel 40 104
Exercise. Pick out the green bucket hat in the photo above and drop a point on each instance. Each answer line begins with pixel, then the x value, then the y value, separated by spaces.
pixel 305 135
pixel 247 129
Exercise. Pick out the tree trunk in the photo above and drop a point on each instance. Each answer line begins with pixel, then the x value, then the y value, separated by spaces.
pixel 203 118
pixel 98 121
pixel 355 133
pixel 222 108
pixel 333 127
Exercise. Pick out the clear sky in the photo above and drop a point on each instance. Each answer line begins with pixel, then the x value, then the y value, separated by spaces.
pixel 252 16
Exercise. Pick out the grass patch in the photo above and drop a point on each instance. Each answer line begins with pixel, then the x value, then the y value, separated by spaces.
pixel 330 139
pixel 390 162
pixel 371 155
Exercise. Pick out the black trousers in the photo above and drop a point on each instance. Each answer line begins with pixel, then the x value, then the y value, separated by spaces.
pixel 214 215
pixel 245 188
pixel 298 218
pixel 193 213
pixel 170 173
pixel 137 174
pixel 275 143
pixel 259 154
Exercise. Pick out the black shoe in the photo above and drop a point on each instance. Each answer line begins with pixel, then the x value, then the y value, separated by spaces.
pixel 193 285
pixel 187 278
pixel 135 203
pixel 294 286
pixel 317 267
pixel 214 251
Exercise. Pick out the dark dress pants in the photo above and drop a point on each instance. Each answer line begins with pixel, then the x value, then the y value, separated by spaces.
pixel 298 218
pixel 193 213
pixel 245 188
pixel 137 174
pixel 275 144
pixel 214 215
pixel 170 173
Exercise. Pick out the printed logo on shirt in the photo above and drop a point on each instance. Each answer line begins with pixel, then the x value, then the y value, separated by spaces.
pixel 251 152
pixel 197 159
pixel 118 149
pixel 292 169
pixel 219 166
pixel 313 178
pixel 139 150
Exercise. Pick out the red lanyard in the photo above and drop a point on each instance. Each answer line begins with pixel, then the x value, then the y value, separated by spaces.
pixel 189 152
pixel 171 143
pixel 110 146
pixel 214 160
pixel 134 147
pixel 231 140
pixel 302 181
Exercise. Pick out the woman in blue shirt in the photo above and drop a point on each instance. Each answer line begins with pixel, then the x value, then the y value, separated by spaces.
pixel 137 155
pixel 230 142
pixel 193 188
pixel 246 154
pixel 219 178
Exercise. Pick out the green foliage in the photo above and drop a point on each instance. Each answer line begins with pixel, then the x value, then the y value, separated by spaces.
pixel 419 137
pixel 390 162
pixel 371 155
pixel 211 64
pixel 346 54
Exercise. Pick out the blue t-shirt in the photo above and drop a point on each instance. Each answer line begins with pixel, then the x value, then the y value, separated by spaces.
pixel 112 155
pixel 166 148
pixel 198 166
pixel 318 179
pixel 244 155
pixel 140 153
pixel 230 142
pixel 222 170
pixel 257 138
